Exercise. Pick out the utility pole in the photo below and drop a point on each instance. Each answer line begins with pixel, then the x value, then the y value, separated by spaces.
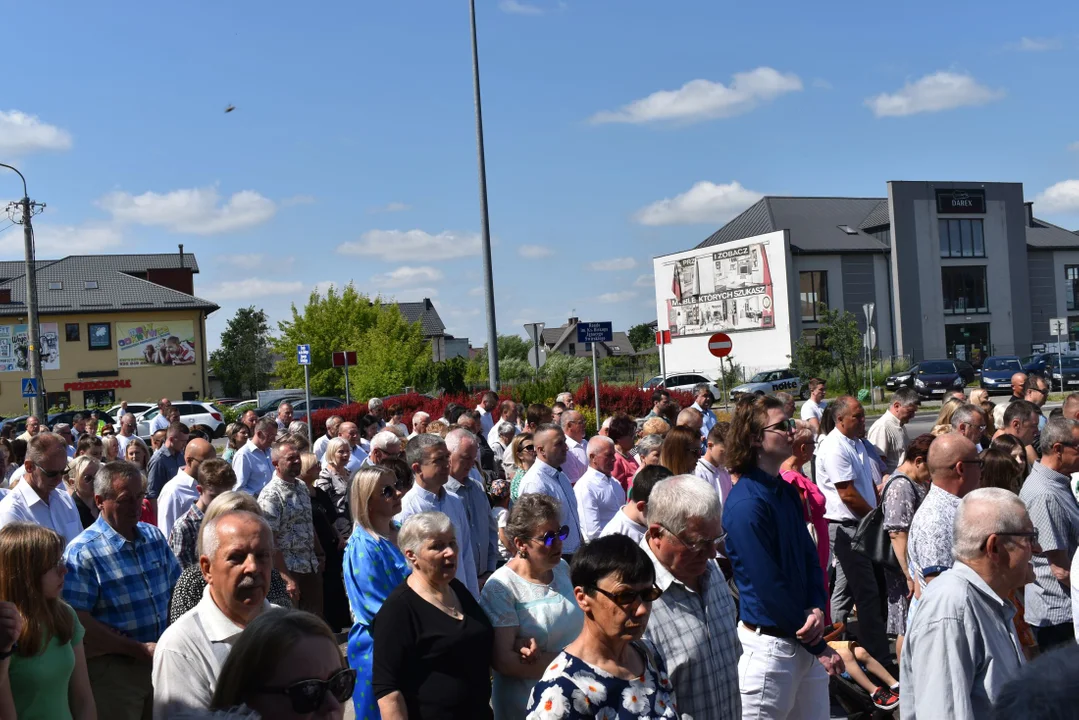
pixel 485 225
pixel 33 350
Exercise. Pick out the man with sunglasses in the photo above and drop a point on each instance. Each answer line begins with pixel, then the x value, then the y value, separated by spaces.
pixel 546 477
pixel 39 497
pixel 1048 498
pixel 961 646
pixel 694 622
pixel 969 421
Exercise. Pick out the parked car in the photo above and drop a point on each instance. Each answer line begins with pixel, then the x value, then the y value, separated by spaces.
pixel 270 408
pixel 134 408
pixel 299 408
pixel 68 415
pixel 967 370
pixel 772 381
pixel 1037 363
pixel 997 372
pixel 684 382
pixel 245 405
pixel 201 418
pixel 19 421
pixel 1067 369
pixel 929 377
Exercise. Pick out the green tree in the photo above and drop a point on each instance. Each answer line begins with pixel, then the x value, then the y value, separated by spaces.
pixel 513 347
pixel 642 336
pixel 840 350
pixel 449 376
pixel 392 355
pixel 242 363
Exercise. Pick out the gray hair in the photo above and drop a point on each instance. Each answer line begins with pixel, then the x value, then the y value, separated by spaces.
pixel 647 444
pixel 675 500
pixel 597 443
pixel 457 436
pixel 110 472
pixel 419 416
pixel 297 427
pixel 981 513
pixel 702 388
pixel 1057 430
pixel 374 403
pixel 529 512
pixel 208 538
pixel 506 429
pixel 60 428
pixel 384 440
pixel 568 416
pixel 420 528
pixel 964 414
pixel 906 397
pixel 332 423
pixel 564 397
pixel 417 447
pixel 226 502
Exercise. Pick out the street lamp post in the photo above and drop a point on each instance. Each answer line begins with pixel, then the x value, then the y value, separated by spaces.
pixel 33 351
pixel 485 226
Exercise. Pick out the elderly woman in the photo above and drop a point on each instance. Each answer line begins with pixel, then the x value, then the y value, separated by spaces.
pixel 373 567
pixel 681 450
pixel 812 498
pixel 501 448
pixel 432 639
pixel 237 433
pixel 608 671
pixel 333 480
pixel 648 449
pixel 81 472
pixel 523 452
pixel 623 431
pixel 298 427
pixel 530 603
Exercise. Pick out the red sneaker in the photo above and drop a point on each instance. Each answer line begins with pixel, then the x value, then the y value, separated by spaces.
pixel 885 699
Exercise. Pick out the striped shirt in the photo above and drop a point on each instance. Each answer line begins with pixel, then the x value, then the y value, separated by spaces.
pixel 1055 515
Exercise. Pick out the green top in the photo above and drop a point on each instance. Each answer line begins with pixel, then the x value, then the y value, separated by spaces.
pixel 39 684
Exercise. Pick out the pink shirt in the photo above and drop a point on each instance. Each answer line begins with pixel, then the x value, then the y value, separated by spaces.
pixel 625 468
pixel 814 513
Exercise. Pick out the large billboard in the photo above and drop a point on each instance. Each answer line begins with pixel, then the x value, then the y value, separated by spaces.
pixel 15 340
pixel 150 344
pixel 737 287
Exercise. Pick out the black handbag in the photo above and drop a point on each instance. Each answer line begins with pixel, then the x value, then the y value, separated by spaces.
pixel 872 540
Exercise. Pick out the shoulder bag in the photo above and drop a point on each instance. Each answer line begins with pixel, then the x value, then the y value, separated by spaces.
pixel 871 539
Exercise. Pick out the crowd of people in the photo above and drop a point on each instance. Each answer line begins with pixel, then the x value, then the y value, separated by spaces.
pixel 499 563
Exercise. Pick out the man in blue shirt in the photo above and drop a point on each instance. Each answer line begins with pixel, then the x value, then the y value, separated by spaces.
pixel 778 575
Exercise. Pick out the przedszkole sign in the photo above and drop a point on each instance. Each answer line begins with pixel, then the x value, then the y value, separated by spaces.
pixel 951 202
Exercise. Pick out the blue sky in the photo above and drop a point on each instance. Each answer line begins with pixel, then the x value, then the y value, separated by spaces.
pixel 616 131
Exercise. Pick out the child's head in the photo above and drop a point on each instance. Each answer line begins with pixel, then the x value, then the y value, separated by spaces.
pixel 717 438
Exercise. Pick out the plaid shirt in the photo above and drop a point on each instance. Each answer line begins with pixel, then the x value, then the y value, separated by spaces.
pixel 698 638
pixel 123 584
pixel 184 537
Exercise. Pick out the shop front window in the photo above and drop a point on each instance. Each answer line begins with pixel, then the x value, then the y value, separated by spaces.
pixel 964 290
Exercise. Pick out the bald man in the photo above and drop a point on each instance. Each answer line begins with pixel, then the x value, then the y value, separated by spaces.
pixel 1019 381
pixel 691 418
pixel 599 496
pixel 956 470
pixel 182 491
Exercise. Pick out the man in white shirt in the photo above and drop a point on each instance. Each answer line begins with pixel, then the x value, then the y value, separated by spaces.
pixel 419 423
pixel 889 434
pixel 332 424
pixel 123 409
pixel 351 434
pixel 544 477
pixel 703 404
pixel 182 491
pixel 161 420
pixel 507 412
pixel 252 463
pixel 33 425
pixel 845 477
pixel 711 467
pixel 38 498
pixel 599 496
pixel 577 456
pixel 190 653
pixel 128 426
pixel 284 416
pixel 630 519
pixel 813 408
pixel 485 408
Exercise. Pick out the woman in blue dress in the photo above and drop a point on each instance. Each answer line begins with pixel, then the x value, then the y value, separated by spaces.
pixel 373 566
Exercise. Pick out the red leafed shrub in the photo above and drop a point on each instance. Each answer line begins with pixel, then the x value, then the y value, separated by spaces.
pixel 623 399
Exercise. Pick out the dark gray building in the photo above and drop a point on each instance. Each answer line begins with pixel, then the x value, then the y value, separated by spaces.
pixel 959 270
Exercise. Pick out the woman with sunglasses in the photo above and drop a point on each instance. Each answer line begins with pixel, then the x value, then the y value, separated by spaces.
pixel 373 567
pixel 286 666
pixel 80 473
pixel 44 673
pixel 523 451
pixel 530 603
pixel 433 641
pixel 608 671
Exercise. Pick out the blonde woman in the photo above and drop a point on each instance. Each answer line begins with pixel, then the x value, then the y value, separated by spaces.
pixel 523 452
pixel 80 473
pixel 111 447
pixel 943 424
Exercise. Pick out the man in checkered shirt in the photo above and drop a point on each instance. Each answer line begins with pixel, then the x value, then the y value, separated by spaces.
pixel 120 575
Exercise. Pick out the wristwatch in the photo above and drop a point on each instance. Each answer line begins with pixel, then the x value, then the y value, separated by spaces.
pixel 5 655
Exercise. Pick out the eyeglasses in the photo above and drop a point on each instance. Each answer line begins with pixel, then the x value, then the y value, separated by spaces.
pixel 783 426
pixel 547 538
pixel 700 546
pixel 973 461
pixel 627 598
pixel 51 474
pixel 1032 536
pixel 399 486
pixel 306 696
pixel 528 448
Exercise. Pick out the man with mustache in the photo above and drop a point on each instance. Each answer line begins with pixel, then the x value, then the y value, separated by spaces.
pixel 237 554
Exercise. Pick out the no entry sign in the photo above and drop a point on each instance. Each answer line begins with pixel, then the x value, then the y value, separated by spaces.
pixel 720 345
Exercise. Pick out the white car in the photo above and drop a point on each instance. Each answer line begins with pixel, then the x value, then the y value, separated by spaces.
pixel 133 408
pixel 201 418
pixel 772 381
pixel 684 382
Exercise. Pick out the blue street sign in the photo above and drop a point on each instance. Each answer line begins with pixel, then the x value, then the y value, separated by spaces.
pixel 594 332
pixel 29 387
pixel 303 354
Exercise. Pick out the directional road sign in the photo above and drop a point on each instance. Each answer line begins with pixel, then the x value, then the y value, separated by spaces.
pixel 720 345
pixel 1058 326
pixel 29 387
pixel 303 354
pixel 592 332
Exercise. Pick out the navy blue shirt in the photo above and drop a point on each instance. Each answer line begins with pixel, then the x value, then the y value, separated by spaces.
pixel 775 563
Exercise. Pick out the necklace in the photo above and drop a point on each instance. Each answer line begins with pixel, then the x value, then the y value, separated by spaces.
pixel 431 597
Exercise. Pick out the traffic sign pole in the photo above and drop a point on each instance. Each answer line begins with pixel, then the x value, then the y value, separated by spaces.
pixel 303 357
pixel 1058 326
pixel 594 332
pixel 595 384
pixel 348 397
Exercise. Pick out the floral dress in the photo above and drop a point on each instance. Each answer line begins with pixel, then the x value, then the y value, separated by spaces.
pixel 574 690
pixel 901 500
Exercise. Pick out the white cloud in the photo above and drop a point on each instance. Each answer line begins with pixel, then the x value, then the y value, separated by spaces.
pixel 21 133
pixel 534 251
pixel 55 241
pixel 390 208
pixel 249 288
pixel 705 202
pixel 299 200
pixel 705 100
pixel 644 281
pixel 515 7
pixel 406 276
pixel 1062 197
pixel 617 297
pixel 1029 44
pixel 404 245
pixel 613 264
pixel 323 286
pixel 193 210
pixel 244 261
pixel 942 90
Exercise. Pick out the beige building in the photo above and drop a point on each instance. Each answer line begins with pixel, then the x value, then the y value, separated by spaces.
pixel 112 328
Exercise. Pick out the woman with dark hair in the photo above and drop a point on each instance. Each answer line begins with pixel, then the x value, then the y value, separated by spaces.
pixel 238 434
pixel 43 676
pixel 1000 469
pixel 680 450
pixel 369 425
pixel 608 671
pixel 623 430
pixel 1016 450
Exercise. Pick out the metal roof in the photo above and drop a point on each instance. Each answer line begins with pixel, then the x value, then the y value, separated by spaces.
pixel 1047 236
pixel 877 217
pixel 424 313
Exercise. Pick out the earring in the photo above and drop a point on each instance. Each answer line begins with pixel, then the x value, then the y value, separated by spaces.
pixel 522 554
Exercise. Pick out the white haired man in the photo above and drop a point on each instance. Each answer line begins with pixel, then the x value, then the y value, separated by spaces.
pixel 284 416
pixel 599 496
pixel 420 419
pixel 385 445
pixel 961 645
pixel 464 482
pixel 332 424
pixel 577 463
pixel 566 398
pixel 694 622
pixel 375 407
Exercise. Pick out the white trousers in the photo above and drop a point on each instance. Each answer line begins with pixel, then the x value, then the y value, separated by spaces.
pixel 780 680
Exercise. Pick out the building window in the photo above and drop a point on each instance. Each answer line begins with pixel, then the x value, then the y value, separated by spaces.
pixel 56 285
pixel 961 238
pixel 572 349
pixel 1071 286
pixel 71 331
pixel 964 290
pixel 89 284
pixel 813 288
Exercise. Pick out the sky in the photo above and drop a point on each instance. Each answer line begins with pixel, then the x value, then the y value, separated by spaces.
pixel 616 131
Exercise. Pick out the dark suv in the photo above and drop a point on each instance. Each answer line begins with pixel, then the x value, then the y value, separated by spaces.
pixel 930 378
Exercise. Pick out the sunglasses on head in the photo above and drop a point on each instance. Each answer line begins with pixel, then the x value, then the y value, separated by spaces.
pixel 625 598
pixel 547 538
pixel 401 486
pixel 307 696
